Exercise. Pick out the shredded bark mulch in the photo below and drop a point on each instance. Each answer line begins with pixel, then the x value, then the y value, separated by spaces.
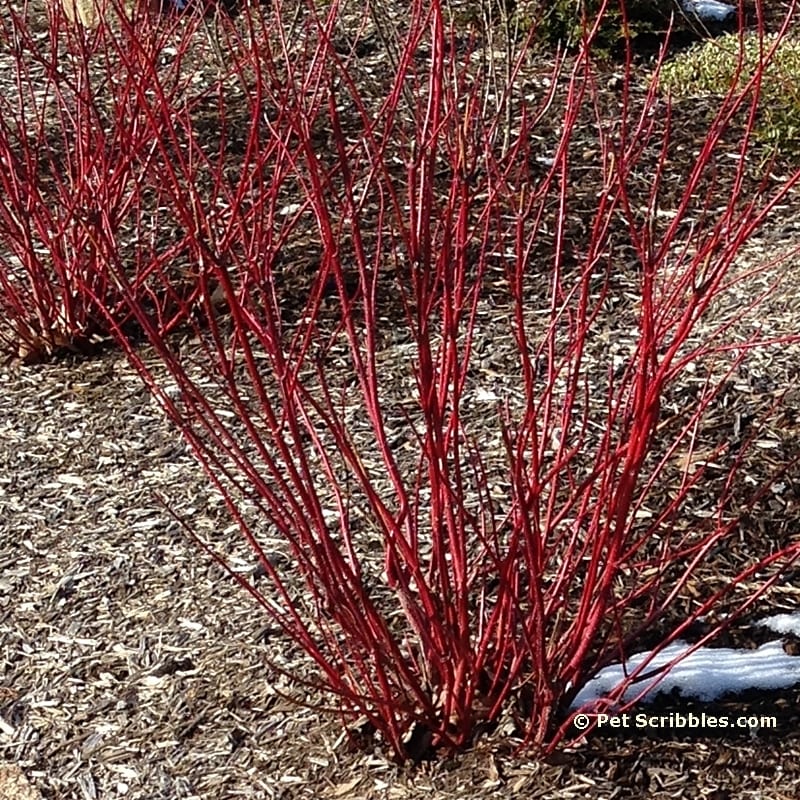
pixel 134 667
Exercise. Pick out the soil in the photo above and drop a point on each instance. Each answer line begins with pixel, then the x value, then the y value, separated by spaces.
pixel 134 666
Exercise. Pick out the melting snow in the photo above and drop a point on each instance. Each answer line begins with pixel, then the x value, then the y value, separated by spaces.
pixel 709 672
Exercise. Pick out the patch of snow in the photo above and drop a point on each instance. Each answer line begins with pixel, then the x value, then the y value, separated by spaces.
pixel 706 674
pixel 783 623
pixel 709 10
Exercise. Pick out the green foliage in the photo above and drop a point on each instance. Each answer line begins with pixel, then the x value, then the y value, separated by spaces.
pixel 565 22
pixel 721 65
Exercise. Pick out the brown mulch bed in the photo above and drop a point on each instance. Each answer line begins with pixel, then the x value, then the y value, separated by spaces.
pixel 133 666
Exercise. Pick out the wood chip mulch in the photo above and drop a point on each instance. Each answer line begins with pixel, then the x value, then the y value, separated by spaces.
pixel 132 666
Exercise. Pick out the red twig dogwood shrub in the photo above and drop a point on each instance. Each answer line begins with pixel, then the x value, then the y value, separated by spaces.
pixel 79 193
pixel 441 374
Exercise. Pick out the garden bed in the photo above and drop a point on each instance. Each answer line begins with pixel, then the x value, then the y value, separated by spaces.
pixel 134 666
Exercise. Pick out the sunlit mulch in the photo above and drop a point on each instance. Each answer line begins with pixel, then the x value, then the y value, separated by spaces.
pixel 133 666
